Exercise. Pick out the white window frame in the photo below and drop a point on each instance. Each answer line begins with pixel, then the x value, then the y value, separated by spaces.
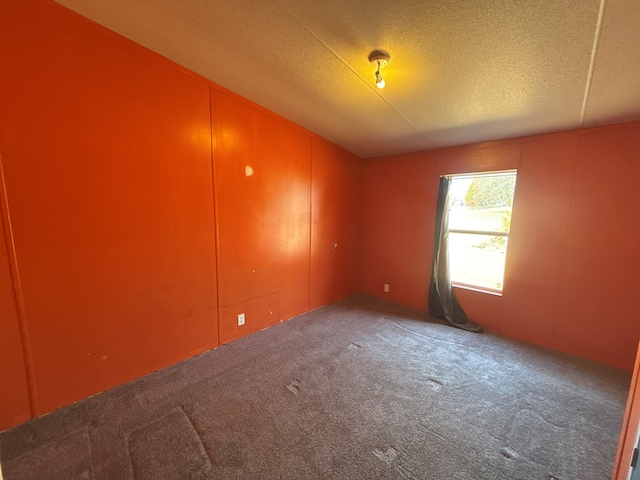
pixel 482 288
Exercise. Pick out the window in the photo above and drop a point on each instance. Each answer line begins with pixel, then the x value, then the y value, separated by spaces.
pixel 479 224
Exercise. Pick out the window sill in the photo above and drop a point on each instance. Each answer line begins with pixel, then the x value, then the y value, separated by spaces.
pixel 488 291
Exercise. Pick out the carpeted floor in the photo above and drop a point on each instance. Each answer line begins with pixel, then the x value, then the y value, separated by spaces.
pixel 357 390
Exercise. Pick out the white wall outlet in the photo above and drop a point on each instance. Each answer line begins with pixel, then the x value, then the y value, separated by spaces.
pixel 240 319
pixel 386 288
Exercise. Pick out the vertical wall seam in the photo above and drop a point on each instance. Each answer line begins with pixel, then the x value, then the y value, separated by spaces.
pixel 216 228
pixel 310 219
pixel 360 235
pixel 592 62
pixel 567 221
pixel 27 350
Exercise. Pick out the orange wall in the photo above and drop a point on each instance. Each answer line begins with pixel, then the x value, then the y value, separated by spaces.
pixel 571 271
pixel 284 198
pixel 335 222
pixel 14 406
pixel 397 227
pixel 107 163
pixel 112 158
pixel 263 216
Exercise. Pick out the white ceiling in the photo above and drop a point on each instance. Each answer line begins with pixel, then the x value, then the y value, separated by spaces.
pixel 460 71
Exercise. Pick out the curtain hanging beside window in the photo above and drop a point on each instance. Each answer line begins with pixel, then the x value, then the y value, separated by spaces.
pixel 443 303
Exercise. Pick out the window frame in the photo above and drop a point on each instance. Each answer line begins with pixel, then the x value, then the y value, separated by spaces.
pixel 498 173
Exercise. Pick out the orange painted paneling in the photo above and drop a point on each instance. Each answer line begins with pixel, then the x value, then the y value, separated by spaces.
pixel 228 316
pixel 107 156
pixel 484 308
pixel 598 311
pixel 571 265
pixel 399 207
pixel 399 197
pixel 536 243
pixel 335 211
pixel 263 182
pixel 489 157
pixel 14 401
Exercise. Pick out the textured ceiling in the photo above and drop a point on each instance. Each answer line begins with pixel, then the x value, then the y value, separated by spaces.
pixel 460 72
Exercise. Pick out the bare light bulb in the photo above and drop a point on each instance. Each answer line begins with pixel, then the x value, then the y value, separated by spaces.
pixel 379 60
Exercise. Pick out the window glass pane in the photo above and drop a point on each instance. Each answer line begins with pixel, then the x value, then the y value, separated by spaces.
pixel 483 220
pixel 477 259
pixel 482 202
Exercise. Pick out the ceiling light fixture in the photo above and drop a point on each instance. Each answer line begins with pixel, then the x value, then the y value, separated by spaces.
pixel 379 60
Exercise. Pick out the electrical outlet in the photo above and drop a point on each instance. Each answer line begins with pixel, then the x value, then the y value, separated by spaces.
pixel 386 288
pixel 240 319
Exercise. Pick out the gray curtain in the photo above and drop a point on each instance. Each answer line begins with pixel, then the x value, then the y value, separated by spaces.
pixel 443 303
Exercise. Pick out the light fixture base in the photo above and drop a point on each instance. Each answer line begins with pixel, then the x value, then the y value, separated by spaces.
pixel 378 58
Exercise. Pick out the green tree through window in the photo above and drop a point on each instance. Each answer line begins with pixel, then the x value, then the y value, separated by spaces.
pixel 488 192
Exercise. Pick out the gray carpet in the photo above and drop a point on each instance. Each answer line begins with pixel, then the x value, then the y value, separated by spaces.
pixel 360 389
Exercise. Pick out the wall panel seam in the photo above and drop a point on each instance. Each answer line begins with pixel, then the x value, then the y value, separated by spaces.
pixel 27 351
